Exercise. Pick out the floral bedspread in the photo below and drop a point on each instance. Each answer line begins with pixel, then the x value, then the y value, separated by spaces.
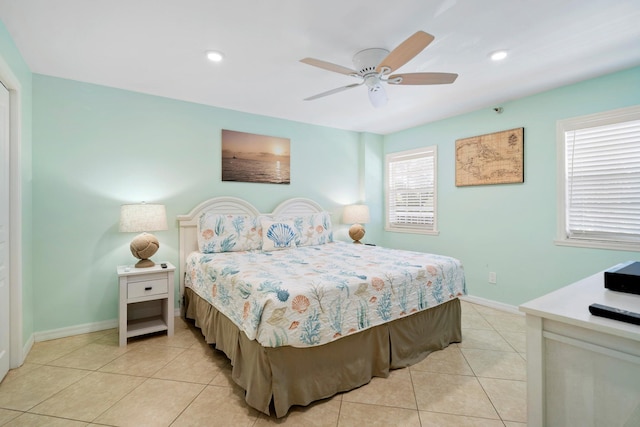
pixel 313 295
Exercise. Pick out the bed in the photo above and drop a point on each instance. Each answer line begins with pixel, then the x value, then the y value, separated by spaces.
pixel 302 317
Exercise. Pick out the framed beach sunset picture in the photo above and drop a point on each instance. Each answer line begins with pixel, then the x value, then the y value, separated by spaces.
pixel 247 157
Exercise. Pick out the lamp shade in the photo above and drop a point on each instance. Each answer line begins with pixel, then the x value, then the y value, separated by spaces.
pixel 143 217
pixel 356 214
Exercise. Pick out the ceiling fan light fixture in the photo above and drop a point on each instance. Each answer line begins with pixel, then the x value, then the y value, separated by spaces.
pixel 499 55
pixel 378 96
pixel 214 56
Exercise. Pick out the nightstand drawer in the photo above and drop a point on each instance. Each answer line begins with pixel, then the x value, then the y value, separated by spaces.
pixel 147 287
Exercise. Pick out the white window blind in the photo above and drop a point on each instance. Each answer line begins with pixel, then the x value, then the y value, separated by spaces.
pixel 411 190
pixel 602 181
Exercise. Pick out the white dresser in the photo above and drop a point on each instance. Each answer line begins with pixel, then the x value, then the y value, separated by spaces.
pixel 582 370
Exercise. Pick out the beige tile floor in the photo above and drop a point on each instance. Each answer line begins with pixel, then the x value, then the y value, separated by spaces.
pixel 87 380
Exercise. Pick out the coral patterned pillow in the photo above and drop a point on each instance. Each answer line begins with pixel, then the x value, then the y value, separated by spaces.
pixel 313 229
pixel 228 233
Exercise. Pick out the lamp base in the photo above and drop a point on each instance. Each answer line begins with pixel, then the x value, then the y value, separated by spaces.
pixel 143 247
pixel 144 263
pixel 356 232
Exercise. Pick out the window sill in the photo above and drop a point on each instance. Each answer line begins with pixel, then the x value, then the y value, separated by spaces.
pixel 598 244
pixel 412 231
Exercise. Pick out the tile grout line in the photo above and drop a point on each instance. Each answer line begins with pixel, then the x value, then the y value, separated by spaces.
pixel 339 411
pixel 501 379
pixel 119 400
pixel 415 398
pixel 142 383
pixel 478 380
pixel 191 402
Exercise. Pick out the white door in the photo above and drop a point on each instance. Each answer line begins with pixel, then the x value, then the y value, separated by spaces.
pixel 4 231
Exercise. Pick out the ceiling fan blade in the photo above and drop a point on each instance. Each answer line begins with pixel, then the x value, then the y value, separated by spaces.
pixel 328 66
pixel 423 78
pixel 405 52
pixel 332 91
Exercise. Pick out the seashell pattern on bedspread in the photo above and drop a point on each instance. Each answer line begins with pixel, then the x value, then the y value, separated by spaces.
pixel 312 295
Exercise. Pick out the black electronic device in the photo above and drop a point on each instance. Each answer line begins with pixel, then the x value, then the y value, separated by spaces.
pixel 615 313
pixel 163 265
pixel 623 277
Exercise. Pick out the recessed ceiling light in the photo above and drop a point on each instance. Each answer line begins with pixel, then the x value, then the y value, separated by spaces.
pixel 499 55
pixel 214 56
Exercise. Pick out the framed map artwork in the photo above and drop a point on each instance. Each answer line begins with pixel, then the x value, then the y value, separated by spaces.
pixel 495 158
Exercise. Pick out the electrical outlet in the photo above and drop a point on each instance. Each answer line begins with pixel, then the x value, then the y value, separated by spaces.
pixel 492 278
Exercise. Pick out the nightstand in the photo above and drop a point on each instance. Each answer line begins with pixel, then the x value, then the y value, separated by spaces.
pixel 146 301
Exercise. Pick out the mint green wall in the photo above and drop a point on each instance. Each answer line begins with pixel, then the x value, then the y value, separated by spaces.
pixel 510 229
pixel 95 148
pixel 11 56
pixel 372 149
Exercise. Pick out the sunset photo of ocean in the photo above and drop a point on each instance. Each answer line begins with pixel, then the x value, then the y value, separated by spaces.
pixel 248 157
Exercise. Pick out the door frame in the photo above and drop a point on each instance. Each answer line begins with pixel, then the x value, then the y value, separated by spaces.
pixel 16 351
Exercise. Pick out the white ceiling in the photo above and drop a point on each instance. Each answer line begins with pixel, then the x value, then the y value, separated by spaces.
pixel 158 47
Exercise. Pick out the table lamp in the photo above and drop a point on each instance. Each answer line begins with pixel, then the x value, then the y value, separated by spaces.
pixel 356 215
pixel 143 217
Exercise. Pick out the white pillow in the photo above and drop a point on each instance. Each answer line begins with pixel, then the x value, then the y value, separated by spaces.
pixel 277 235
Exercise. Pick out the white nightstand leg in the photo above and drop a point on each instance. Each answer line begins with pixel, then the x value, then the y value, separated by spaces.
pixel 122 316
pixel 170 305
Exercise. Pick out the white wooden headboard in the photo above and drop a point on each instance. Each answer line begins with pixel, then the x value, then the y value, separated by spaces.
pixel 188 223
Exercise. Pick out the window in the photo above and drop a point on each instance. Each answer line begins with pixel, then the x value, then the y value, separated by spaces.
pixel 599 180
pixel 410 182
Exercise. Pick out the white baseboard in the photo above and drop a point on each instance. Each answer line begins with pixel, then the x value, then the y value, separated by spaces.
pixel 492 304
pixel 74 330
pixel 53 334
pixel 26 348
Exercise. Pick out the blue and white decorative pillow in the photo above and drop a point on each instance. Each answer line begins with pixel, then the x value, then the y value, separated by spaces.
pixel 228 233
pixel 277 235
pixel 313 229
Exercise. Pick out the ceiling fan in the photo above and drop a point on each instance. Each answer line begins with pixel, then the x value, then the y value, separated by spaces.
pixel 372 67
